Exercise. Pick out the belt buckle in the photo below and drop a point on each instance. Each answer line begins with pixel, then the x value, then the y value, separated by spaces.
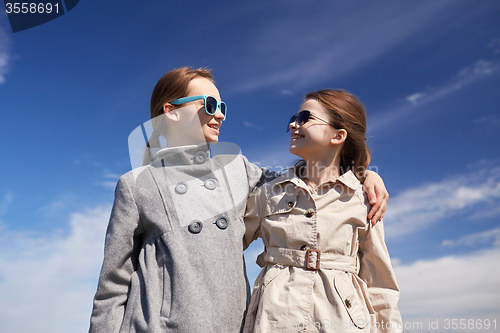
pixel 308 255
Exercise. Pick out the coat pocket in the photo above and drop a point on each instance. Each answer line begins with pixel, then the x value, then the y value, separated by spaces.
pixel 266 276
pixel 283 201
pixel 353 300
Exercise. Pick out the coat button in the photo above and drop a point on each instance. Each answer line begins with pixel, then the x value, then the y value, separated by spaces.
pixel 173 158
pixel 211 184
pixel 309 212
pixel 200 157
pixel 348 303
pixel 290 204
pixel 222 222
pixel 181 187
pixel 195 226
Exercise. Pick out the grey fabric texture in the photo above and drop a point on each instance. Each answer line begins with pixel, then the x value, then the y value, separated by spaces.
pixel 157 274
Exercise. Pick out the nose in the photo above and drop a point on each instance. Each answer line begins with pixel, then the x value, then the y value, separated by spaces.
pixel 219 116
pixel 292 125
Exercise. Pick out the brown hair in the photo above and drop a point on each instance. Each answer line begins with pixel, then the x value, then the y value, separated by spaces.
pixel 169 87
pixel 173 85
pixel 345 111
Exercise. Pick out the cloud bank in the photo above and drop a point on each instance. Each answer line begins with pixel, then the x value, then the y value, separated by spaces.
pixel 451 287
pixel 47 282
pixel 479 70
pixel 336 41
pixel 418 208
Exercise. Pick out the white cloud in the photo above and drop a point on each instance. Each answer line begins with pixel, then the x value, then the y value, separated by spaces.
pixel 335 40
pixel 466 76
pixel 60 204
pixel 252 125
pixel 5 202
pixel 475 239
pixel 108 185
pixel 417 208
pixel 493 120
pixel 111 175
pixel 4 53
pixel 450 287
pixel 414 98
pixel 495 45
pixel 48 281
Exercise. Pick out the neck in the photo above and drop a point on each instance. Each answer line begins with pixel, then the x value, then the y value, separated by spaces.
pixel 177 140
pixel 319 171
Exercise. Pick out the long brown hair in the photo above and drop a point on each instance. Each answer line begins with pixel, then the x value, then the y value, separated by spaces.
pixel 345 111
pixel 169 87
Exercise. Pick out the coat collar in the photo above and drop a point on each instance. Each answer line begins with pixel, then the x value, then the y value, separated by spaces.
pixel 184 155
pixel 348 179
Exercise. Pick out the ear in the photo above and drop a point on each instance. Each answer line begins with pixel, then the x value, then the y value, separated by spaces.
pixel 170 112
pixel 339 136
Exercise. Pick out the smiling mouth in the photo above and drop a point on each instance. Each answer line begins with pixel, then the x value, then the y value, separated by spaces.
pixel 296 137
pixel 215 127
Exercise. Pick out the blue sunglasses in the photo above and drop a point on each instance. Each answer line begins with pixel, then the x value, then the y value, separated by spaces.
pixel 211 103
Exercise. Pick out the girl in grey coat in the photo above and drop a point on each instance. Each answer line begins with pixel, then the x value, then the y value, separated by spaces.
pixel 173 259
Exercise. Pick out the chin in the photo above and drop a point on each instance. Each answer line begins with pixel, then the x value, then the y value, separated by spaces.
pixel 212 140
pixel 295 151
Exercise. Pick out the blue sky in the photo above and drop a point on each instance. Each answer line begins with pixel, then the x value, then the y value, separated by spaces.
pixel 428 72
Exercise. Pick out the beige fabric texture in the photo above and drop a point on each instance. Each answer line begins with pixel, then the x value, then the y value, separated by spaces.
pixel 354 289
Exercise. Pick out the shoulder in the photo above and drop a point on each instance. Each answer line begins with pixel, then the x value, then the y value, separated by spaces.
pixel 134 179
pixel 355 196
pixel 279 183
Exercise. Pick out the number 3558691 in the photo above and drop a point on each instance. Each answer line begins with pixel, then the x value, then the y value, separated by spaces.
pixel 31 8
pixel 471 324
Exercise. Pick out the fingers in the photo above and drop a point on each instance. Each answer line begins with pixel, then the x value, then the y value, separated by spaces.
pixel 372 196
pixel 374 212
pixel 378 210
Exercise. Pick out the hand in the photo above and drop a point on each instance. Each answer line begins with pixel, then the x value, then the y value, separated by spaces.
pixel 377 195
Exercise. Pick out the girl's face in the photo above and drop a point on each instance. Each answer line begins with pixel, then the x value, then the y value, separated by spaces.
pixel 192 115
pixel 313 139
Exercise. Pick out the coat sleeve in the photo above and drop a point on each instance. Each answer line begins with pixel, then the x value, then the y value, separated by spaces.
pixel 253 216
pixel 121 250
pixel 376 270
pixel 254 174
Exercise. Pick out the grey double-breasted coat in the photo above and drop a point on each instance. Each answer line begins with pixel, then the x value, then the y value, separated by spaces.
pixel 174 252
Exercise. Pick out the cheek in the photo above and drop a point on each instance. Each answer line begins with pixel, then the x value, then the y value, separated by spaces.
pixel 204 117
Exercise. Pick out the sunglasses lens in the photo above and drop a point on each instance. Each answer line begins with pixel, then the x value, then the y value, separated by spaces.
pixel 223 108
pixel 303 117
pixel 300 118
pixel 211 105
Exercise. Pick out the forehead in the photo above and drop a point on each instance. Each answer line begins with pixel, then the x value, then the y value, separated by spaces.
pixel 314 106
pixel 202 86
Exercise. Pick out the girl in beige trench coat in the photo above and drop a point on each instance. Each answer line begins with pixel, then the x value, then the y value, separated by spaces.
pixel 173 259
pixel 327 268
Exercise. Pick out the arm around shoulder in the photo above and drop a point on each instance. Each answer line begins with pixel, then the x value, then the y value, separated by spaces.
pixel 377 194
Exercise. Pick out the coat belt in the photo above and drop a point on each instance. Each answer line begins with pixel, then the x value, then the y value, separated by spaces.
pixel 311 259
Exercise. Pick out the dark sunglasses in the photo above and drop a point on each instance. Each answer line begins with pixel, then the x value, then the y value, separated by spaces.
pixel 303 117
pixel 211 103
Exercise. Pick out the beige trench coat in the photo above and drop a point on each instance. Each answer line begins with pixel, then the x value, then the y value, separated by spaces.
pixel 327 268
